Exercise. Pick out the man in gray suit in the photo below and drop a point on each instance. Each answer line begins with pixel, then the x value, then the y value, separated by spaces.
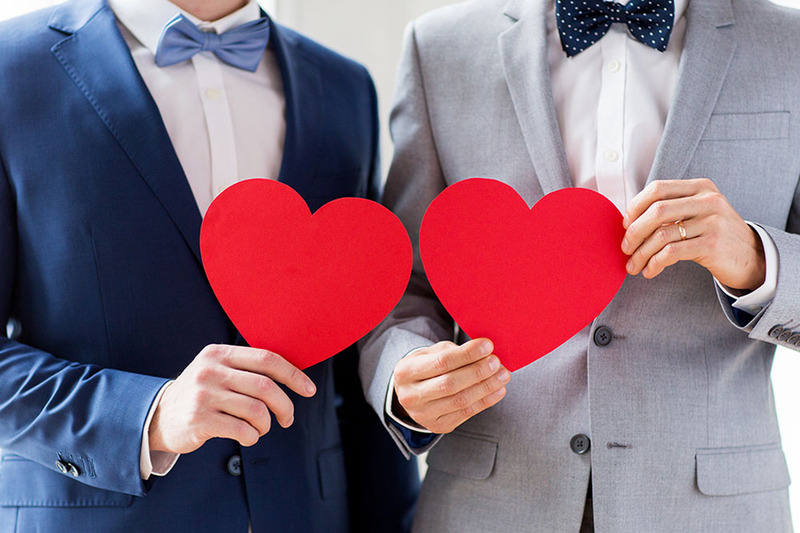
pixel 659 416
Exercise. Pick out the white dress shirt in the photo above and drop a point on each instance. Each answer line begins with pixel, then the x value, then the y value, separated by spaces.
pixel 225 124
pixel 611 103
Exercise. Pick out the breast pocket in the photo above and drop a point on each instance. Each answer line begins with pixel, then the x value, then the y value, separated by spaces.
pixel 747 126
pixel 734 471
pixel 25 483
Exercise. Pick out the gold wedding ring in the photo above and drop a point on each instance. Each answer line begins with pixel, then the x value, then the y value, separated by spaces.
pixel 681 229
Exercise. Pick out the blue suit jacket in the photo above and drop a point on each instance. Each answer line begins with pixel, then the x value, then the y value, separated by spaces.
pixel 100 270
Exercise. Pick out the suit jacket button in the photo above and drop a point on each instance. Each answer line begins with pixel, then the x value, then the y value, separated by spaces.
pixel 603 336
pixel 235 465
pixel 62 467
pixel 784 336
pixel 73 470
pixel 775 332
pixel 580 444
pixel 794 338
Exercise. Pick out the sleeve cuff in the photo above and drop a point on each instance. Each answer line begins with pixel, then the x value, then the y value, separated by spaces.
pixel 154 463
pixel 394 418
pixel 416 436
pixel 754 302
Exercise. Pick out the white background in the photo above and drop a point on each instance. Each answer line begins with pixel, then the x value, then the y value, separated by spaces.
pixel 371 32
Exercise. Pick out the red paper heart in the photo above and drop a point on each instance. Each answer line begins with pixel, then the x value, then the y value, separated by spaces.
pixel 305 287
pixel 528 279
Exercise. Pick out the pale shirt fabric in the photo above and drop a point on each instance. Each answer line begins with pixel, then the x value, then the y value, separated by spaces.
pixel 611 103
pixel 226 124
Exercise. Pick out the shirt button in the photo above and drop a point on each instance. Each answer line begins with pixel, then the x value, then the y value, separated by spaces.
pixel 62 467
pixel 611 155
pixel 580 444
pixel 603 336
pixel 73 470
pixel 234 465
pixel 614 65
pixel 213 94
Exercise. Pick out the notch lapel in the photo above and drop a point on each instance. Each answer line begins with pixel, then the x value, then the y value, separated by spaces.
pixel 706 57
pixel 523 51
pixel 302 86
pixel 98 60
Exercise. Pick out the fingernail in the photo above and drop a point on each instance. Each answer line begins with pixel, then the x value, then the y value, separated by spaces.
pixel 494 364
pixel 629 266
pixel 625 245
pixel 504 375
pixel 485 347
pixel 311 389
pixel 625 221
pixel 291 421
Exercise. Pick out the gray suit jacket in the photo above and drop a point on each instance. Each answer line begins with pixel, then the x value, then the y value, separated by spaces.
pixel 679 406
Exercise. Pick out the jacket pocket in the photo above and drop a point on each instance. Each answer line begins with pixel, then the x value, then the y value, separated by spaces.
pixel 332 476
pixel 464 455
pixel 25 483
pixel 733 471
pixel 747 126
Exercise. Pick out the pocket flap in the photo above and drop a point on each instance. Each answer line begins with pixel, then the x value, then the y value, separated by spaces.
pixel 332 475
pixel 747 126
pixel 732 471
pixel 469 456
pixel 25 483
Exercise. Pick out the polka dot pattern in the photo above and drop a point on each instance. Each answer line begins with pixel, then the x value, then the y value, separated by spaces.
pixel 581 23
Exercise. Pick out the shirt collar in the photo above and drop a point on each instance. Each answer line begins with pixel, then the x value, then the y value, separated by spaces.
pixel 146 19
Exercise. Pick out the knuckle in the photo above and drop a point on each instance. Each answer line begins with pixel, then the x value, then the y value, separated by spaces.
pixel 266 386
pixel 659 209
pixel 205 374
pixel 459 401
pixel 439 364
pixel 662 235
pixel 447 385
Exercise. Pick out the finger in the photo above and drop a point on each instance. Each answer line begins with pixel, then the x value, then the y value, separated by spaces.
pixel 659 214
pixel 271 365
pixel 662 236
pixel 262 390
pixel 689 250
pixel 459 379
pixel 450 421
pixel 249 409
pixel 230 427
pixel 426 365
pixel 663 190
pixel 469 396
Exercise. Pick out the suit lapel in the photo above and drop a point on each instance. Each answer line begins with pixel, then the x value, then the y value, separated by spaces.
pixel 302 85
pixel 98 60
pixel 707 54
pixel 523 51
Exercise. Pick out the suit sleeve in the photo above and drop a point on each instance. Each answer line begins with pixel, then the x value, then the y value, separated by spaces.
pixel 61 413
pixel 415 178
pixel 778 322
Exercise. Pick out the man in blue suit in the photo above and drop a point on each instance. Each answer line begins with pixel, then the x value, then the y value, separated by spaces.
pixel 120 123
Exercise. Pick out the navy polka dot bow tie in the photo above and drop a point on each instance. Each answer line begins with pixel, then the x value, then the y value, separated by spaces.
pixel 582 23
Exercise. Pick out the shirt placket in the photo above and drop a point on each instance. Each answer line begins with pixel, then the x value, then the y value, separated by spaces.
pixel 611 119
pixel 221 140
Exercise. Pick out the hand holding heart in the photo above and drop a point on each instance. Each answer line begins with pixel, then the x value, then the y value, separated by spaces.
pixel 442 386
pixel 716 237
pixel 228 392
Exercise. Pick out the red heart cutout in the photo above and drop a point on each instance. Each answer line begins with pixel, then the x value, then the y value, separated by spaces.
pixel 528 279
pixel 305 287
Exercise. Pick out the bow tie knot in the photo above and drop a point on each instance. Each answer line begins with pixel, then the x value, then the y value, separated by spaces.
pixel 581 23
pixel 241 47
